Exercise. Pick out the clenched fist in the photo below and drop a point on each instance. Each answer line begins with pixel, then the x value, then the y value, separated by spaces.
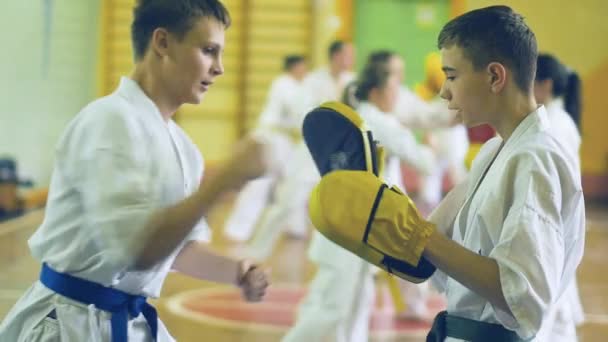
pixel 247 161
pixel 253 281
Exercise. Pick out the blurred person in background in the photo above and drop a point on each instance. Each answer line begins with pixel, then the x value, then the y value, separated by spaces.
pixel 279 126
pixel 11 204
pixel 401 147
pixel 559 90
pixel 291 195
pixel 340 297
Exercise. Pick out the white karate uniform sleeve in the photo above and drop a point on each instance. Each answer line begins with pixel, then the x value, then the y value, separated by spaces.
pixel 531 252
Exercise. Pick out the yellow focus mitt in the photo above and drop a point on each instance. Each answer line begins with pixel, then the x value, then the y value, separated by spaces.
pixel 360 213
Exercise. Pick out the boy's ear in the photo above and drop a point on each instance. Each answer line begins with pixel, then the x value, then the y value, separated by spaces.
pixel 497 75
pixel 159 42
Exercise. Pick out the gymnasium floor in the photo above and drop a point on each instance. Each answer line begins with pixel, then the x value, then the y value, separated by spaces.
pixel 199 311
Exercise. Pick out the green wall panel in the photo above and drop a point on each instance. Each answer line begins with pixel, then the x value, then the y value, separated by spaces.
pixel 408 27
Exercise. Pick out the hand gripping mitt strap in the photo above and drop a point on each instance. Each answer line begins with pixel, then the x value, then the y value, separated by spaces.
pixel 397 228
pixel 358 212
pixel 423 269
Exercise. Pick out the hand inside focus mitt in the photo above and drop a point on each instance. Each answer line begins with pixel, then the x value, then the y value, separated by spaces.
pixel 341 204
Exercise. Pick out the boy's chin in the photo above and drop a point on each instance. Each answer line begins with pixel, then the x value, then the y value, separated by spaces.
pixel 470 122
pixel 196 99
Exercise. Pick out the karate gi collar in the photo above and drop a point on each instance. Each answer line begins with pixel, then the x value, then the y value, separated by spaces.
pixel 132 92
pixel 537 118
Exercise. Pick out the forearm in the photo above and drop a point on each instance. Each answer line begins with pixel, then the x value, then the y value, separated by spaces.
pixel 415 120
pixel 402 144
pixel 197 260
pixel 421 158
pixel 168 227
pixel 427 118
pixel 478 273
pixel 444 215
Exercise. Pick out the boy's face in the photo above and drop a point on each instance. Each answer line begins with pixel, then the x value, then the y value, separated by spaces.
pixel 543 90
pixel 191 64
pixel 386 97
pixel 467 91
pixel 345 59
pixel 299 70
pixel 396 66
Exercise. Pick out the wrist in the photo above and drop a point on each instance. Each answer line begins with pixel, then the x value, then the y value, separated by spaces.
pixel 230 176
pixel 241 269
pixel 435 243
pixel 217 184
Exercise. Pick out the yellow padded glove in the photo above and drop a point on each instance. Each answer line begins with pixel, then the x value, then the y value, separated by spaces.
pixel 357 211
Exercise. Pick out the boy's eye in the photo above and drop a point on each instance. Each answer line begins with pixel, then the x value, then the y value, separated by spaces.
pixel 210 51
pixel 450 78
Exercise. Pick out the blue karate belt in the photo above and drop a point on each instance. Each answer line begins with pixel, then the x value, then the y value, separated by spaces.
pixel 118 303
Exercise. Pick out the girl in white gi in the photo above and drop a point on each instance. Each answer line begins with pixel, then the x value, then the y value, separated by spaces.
pixel 279 127
pixel 514 246
pixel 401 146
pixel 398 140
pixel 341 295
pixel 125 205
pixel 291 194
pixel 559 90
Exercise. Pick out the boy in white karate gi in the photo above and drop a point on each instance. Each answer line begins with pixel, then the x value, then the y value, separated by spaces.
pixel 506 243
pixel 514 246
pixel 126 203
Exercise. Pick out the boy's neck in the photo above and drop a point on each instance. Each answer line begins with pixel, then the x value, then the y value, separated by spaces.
pixel 154 90
pixel 512 112
pixel 335 71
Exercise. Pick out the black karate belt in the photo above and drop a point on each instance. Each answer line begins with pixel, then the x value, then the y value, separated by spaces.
pixel 466 329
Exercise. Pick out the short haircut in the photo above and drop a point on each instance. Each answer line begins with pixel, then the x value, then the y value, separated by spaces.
pixel 292 60
pixel 335 47
pixel 494 34
pixel 176 16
